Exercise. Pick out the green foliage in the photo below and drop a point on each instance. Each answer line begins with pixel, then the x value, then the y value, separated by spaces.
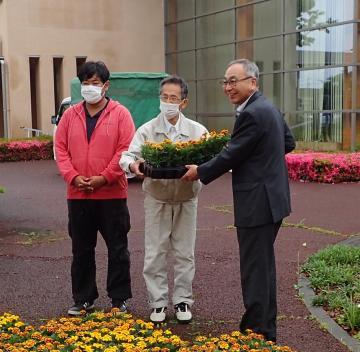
pixel 352 314
pixel 334 274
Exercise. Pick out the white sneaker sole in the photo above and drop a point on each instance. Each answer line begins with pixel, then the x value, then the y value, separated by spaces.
pixel 76 313
pixel 158 318
pixel 183 318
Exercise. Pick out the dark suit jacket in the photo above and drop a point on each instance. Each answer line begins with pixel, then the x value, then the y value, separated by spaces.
pixel 256 155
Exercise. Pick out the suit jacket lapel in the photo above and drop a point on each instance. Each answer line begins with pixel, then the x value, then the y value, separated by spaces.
pixel 253 98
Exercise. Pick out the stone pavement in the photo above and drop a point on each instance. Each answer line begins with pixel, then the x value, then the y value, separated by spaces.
pixel 35 252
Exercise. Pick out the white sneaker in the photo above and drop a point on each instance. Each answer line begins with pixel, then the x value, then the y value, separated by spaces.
pixel 183 313
pixel 158 315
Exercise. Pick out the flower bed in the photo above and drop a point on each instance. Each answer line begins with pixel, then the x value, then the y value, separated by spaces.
pixel 324 167
pixel 111 333
pixel 26 150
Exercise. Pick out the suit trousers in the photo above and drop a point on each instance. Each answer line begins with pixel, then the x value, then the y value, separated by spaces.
pixel 169 227
pixel 258 278
pixel 111 218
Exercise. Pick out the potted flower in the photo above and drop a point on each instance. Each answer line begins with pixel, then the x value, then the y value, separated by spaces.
pixel 168 159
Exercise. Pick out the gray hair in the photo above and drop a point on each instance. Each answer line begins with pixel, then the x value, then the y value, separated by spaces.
pixel 174 79
pixel 250 67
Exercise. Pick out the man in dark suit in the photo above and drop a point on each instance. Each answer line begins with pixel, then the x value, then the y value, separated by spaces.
pixel 256 155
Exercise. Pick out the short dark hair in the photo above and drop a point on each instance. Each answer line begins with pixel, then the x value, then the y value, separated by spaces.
pixel 174 79
pixel 93 68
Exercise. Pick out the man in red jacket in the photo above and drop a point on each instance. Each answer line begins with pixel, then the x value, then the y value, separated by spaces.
pixel 89 141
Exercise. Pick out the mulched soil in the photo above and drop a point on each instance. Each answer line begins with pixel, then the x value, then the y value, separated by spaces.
pixel 35 253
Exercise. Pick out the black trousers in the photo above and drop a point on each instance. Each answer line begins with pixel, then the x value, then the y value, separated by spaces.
pixel 258 278
pixel 111 218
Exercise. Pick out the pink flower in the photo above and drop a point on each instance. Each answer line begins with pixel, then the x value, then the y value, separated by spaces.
pixel 324 167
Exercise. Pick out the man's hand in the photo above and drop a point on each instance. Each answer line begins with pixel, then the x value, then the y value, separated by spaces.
pixel 191 174
pixel 82 183
pixel 96 182
pixel 135 168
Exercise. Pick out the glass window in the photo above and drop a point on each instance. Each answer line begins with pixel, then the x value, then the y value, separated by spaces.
pixel 211 98
pixel 182 64
pixel 267 53
pixel 271 86
pixel 322 47
pixel 243 2
pixel 347 131
pixel 207 6
pixel 190 110
pixel 258 20
pixel 215 29
pixel 217 123
pixel 316 126
pixel 179 9
pixel 303 14
pixel 212 62
pixel 180 36
pixel 325 89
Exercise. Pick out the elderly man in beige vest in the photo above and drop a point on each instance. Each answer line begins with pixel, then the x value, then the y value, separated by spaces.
pixel 170 206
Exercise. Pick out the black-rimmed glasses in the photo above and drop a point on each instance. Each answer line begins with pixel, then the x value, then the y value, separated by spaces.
pixel 232 82
pixel 173 99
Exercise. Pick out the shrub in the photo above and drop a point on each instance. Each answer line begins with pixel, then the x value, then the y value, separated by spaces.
pixel 26 150
pixel 324 167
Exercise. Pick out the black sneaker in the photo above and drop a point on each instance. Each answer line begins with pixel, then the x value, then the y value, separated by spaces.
pixel 119 306
pixel 78 308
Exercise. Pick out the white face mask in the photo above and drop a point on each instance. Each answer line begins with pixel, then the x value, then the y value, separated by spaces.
pixel 91 94
pixel 169 110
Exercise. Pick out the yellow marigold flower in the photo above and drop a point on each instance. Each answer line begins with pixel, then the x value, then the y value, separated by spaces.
pixel 72 339
pixel 111 349
pixel 98 345
pixel 29 343
pixel 141 344
pixel 223 345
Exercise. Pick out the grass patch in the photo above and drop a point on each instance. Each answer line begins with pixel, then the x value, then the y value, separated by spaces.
pixel 334 274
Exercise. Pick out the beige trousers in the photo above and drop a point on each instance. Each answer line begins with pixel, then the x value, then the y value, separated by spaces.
pixel 169 228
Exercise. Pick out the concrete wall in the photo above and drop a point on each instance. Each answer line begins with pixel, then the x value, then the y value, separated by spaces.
pixel 118 32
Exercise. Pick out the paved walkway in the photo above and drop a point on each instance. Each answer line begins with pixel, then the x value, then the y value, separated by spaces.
pixel 35 252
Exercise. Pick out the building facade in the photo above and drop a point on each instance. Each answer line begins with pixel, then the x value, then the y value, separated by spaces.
pixel 43 43
pixel 308 52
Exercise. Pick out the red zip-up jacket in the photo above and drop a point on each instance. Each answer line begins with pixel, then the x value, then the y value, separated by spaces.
pixel 100 156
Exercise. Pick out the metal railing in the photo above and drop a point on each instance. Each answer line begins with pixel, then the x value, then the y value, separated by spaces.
pixel 32 132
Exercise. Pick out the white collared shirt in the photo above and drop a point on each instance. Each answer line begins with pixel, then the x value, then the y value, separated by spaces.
pixel 242 106
pixel 172 130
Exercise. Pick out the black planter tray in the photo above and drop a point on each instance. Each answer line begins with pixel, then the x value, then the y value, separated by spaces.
pixel 162 172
